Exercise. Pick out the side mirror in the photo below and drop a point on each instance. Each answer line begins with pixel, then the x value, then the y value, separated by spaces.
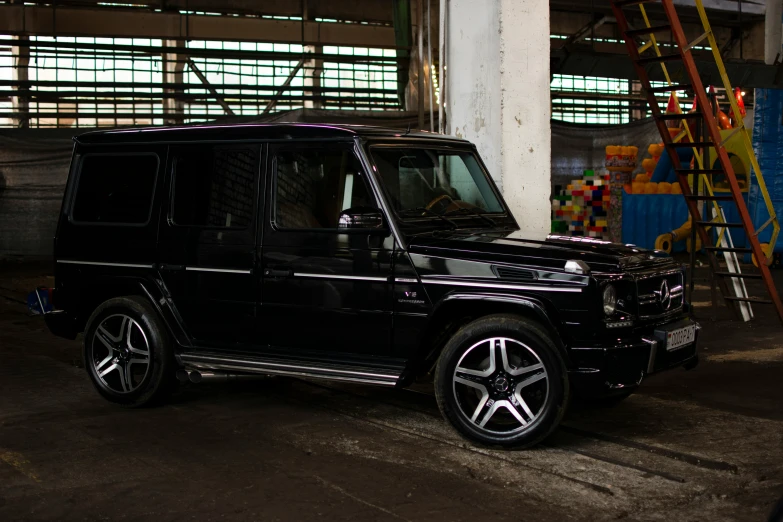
pixel 356 218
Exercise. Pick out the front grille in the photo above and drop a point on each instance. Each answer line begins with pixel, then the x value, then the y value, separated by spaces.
pixel 657 299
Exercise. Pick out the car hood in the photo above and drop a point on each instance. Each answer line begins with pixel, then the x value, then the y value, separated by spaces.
pixel 550 253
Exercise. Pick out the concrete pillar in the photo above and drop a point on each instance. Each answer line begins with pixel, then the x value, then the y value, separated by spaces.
pixel 173 72
pixel 773 29
pixel 498 79
pixel 313 70
pixel 20 72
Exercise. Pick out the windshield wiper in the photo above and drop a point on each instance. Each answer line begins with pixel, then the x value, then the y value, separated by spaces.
pixel 473 211
pixel 425 210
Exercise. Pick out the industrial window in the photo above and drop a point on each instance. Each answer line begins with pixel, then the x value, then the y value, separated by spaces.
pixel 115 188
pixel 109 82
pixel 604 101
pixel 313 187
pixel 584 99
pixel 214 186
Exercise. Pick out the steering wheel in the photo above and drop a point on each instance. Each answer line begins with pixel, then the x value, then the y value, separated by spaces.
pixel 440 204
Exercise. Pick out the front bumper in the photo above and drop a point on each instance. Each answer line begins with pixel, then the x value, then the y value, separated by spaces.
pixel 604 367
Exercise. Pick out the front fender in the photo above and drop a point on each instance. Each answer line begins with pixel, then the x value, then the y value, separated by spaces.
pixel 531 304
pixel 460 305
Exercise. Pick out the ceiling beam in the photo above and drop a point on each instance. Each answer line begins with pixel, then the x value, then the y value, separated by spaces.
pixel 379 11
pixel 138 23
pixel 743 73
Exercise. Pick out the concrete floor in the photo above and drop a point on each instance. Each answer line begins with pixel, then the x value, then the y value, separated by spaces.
pixel 700 445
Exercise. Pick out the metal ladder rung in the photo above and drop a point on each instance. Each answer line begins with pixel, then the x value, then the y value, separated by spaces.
pixel 674 87
pixel 644 47
pixel 719 224
pixel 739 250
pixel 697 41
pixel 757 300
pixel 680 116
pixel 648 30
pixel 731 135
pixel 697 197
pixel 691 144
pixel 738 274
pixel 698 171
pixel 765 225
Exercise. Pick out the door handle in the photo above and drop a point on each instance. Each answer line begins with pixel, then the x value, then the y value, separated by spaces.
pixel 172 268
pixel 275 273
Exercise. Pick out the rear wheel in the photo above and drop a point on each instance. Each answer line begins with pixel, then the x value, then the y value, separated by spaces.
pixel 127 352
pixel 500 380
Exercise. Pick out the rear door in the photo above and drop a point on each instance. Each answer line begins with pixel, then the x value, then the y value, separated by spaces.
pixel 207 241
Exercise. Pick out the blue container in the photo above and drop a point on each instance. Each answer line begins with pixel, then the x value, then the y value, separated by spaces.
pixel 647 216
pixel 768 145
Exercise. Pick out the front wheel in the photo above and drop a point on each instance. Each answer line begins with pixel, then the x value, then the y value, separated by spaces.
pixel 501 381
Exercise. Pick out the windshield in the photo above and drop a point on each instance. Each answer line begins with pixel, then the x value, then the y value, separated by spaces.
pixel 427 182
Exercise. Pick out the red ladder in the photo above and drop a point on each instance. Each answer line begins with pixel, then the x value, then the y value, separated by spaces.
pixel 683 54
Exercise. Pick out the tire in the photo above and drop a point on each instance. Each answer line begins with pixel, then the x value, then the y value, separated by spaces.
pixel 127 353
pixel 518 401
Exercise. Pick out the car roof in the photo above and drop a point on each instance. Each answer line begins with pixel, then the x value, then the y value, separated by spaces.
pixel 257 131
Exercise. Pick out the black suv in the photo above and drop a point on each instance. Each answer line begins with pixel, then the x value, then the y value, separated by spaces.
pixel 347 253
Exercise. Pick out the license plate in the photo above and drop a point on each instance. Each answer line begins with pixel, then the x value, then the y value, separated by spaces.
pixel 680 337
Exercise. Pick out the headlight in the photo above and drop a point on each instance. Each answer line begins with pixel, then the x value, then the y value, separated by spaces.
pixel 610 299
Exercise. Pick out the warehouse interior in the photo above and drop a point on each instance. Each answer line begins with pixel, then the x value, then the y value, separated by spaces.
pixel 554 102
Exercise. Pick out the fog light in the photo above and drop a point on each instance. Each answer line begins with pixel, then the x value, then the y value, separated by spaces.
pixel 620 324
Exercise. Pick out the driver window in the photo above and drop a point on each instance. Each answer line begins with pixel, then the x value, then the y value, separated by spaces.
pixel 416 184
pixel 419 178
pixel 461 179
pixel 314 186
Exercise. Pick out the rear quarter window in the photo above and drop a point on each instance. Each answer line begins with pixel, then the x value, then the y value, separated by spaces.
pixel 115 188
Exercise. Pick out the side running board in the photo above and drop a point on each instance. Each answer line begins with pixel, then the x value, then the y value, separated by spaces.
pixel 244 364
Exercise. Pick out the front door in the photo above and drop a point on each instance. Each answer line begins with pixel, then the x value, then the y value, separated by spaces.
pixel 207 241
pixel 325 288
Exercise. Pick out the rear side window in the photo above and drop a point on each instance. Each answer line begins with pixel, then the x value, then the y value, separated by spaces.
pixel 214 186
pixel 115 188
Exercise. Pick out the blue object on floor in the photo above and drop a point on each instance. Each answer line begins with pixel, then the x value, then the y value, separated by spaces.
pixel 39 301
pixel 647 216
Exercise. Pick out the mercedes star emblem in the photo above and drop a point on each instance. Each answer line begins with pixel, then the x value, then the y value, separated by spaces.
pixel 664 295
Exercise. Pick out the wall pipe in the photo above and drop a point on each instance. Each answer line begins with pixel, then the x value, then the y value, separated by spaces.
pixel 441 59
pixel 431 90
pixel 420 23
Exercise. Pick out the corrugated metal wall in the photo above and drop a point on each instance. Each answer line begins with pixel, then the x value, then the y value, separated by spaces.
pixel 33 170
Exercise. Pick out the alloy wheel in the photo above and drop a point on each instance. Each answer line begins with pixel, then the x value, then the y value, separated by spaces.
pixel 501 385
pixel 120 353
